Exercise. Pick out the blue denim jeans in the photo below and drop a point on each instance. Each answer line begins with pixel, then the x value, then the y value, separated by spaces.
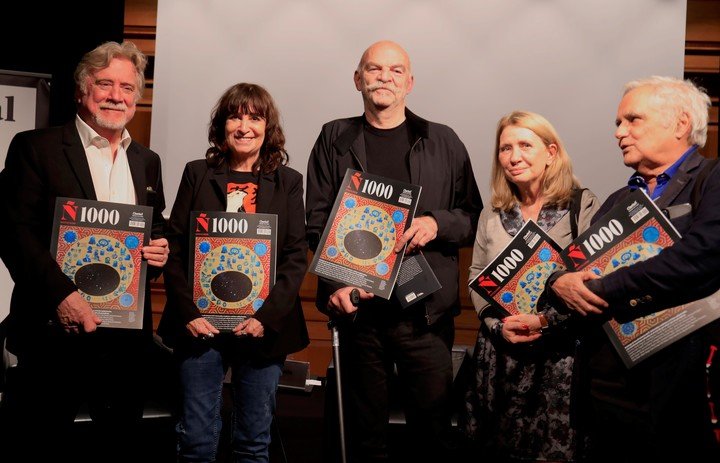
pixel 254 382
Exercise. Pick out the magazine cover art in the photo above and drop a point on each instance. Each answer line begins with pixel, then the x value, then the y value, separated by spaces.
pixel 357 247
pixel 515 279
pixel 633 231
pixel 232 264
pixel 98 246
pixel 633 245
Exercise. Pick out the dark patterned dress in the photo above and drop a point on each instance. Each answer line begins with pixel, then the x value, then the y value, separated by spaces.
pixel 518 405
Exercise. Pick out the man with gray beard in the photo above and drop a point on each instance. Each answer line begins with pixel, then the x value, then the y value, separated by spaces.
pixel 63 360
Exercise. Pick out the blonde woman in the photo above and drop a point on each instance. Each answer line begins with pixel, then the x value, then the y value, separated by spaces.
pixel 519 403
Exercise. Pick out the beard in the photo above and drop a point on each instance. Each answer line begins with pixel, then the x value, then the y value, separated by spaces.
pixel 108 123
pixel 111 125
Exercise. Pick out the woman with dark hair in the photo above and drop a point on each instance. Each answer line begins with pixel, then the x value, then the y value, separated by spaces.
pixel 244 170
pixel 519 403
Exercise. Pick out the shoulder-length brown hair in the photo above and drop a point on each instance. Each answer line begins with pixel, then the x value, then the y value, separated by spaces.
pixel 244 98
pixel 558 179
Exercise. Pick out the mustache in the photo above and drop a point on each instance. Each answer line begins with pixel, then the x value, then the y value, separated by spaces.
pixel 378 85
pixel 116 106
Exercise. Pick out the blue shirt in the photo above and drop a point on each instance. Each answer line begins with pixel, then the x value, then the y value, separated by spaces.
pixel 636 181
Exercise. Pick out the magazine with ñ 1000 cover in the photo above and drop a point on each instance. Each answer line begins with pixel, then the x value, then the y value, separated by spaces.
pixel 232 264
pixel 98 246
pixel 632 231
pixel 357 246
pixel 514 280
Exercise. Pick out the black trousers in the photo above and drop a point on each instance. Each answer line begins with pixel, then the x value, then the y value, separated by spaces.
pixel 378 341
pixel 655 411
pixel 624 436
pixel 47 388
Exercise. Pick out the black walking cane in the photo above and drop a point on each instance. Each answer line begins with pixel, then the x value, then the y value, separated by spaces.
pixel 355 299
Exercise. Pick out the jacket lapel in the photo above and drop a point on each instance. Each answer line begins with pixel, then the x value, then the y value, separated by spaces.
pixel 419 128
pixel 219 181
pixel 358 149
pixel 266 189
pixel 137 170
pixel 352 141
pixel 75 153
pixel 679 181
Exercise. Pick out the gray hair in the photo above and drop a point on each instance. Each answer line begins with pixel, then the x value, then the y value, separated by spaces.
pixel 680 96
pixel 100 58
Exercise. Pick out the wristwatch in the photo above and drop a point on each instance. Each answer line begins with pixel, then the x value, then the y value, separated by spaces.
pixel 543 322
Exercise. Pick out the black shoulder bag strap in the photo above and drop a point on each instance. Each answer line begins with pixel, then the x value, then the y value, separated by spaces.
pixel 575 204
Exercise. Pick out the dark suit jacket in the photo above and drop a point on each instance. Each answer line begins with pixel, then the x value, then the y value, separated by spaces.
pixel 205 188
pixel 688 270
pixel 42 165
pixel 669 385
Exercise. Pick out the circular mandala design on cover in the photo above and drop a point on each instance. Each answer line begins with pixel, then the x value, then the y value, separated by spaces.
pixel 100 266
pixel 628 329
pixel 231 276
pixel 530 286
pixel 365 235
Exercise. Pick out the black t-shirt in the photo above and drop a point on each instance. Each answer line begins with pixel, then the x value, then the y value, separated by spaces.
pixel 388 151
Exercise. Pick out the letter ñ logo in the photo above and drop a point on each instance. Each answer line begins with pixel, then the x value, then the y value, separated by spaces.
pixel 576 254
pixel 355 180
pixel 69 211
pixel 201 223
pixel 488 284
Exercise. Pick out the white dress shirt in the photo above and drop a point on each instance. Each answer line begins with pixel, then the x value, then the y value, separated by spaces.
pixel 111 178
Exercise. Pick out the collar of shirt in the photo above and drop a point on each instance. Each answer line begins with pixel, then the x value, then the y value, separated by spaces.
pixel 110 172
pixel 90 137
pixel 637 181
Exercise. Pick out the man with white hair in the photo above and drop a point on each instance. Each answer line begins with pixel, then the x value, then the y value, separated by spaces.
pixel 657 410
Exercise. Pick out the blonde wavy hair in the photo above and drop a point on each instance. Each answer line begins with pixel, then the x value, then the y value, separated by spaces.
pixel 558 180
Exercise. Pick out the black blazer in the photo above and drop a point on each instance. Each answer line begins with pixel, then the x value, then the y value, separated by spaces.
pixel 205 188
pixel 40 166
pixel 688 270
